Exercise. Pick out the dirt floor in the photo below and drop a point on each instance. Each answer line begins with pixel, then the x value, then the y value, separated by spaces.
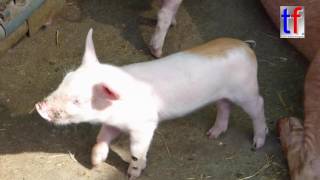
pixel 31 149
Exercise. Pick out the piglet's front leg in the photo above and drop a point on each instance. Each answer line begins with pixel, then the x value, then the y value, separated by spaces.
pixel 101 148
pixel 140 142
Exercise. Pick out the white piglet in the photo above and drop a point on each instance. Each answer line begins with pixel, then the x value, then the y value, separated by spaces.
pixel 136 97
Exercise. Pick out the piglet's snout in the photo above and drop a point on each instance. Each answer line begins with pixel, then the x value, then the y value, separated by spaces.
pixel 43 110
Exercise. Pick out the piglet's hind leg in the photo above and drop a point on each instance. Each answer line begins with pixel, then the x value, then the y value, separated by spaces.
pixel 222 120
pixel 254 106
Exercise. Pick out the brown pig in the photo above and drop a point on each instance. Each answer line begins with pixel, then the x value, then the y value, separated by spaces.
pixel 301 143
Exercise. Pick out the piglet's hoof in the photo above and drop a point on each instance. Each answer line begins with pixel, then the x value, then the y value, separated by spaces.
pixel 215 132
pixel 156 52
pixel 133 173
pixel 99 154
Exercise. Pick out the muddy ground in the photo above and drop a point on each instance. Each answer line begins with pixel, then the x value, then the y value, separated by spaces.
pixel 32 149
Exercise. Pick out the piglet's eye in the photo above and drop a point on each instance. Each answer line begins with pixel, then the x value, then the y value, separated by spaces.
pixel 76 102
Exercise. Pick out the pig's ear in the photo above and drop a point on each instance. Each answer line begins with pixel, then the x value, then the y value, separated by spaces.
pixel 89 56
pixel 110 93
pixel 102 96
pixel 106 91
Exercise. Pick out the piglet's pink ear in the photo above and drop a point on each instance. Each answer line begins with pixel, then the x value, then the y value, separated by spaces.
pixel 102 96
pixel 109 93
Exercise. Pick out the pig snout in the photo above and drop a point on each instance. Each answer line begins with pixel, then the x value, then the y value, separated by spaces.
pixel 43 110
pixel 48 110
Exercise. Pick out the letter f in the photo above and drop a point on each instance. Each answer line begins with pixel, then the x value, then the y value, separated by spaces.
pixel 295 16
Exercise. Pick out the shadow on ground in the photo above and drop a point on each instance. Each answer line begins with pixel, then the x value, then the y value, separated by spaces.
pixel 30 133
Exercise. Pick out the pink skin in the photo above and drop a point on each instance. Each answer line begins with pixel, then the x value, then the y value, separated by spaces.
pixel 166 17
pixel 140 141
pixel 50 114
pixel 101 149
pixel 222 120
pixel 254 107
pixel 42 108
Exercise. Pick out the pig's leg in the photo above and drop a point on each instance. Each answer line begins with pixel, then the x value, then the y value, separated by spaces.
pixel 291 134
pixel 253 105
pixel 140 142
pixel 291 137
pixel 173 20
pixel 166 16
pixel 221 123
pixel 101 148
